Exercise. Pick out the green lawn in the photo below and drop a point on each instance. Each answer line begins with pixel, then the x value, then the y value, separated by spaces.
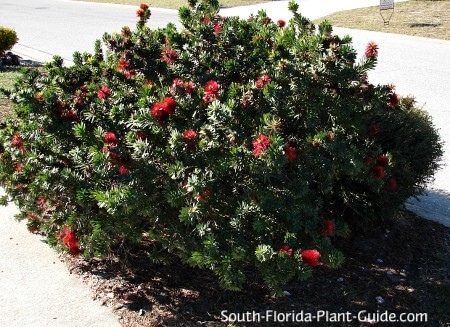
pixel 418 18
pixel 175 4
pixel 8 75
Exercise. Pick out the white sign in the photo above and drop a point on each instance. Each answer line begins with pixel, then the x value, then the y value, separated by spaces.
pixel 386 4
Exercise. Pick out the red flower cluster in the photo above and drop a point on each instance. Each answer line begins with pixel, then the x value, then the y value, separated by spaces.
pixel 161 110
pixel 204 195
pixel 393 100
pixel 327 228
pixel 71 241
pixel 143 6
pixel 281 23
pixel 391 184
pixel 17 141
pixel 71 115
pixel 19 168
pixel 371 50
pixel 111 139
pixel 260 144
pixel 125 31
pixel 211 91
pixel 217 28
pixel 189 136
pixel 262 81
pixel 124 66
pixel 285 249
pixel 382 160
pixel 311 257
pixel 32 216
pixel 141 135
pixel 123 169
pixel 103 92
pixel 169 55
pixel 290 152
pixel 379 172
pixel 189 87
pixel 80 95
pixel 369 161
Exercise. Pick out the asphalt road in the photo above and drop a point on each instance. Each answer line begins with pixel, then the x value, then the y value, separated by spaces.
pixel 49 27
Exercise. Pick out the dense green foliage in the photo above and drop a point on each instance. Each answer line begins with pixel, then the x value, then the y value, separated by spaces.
pixel 230 143
pixel 8 38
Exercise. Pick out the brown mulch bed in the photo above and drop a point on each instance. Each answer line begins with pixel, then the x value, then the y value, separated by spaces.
pixel 405 263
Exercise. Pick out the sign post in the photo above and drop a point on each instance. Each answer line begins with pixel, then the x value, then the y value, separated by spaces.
pixel 386 5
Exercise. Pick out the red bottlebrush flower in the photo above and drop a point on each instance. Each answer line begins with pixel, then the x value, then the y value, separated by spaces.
pixel 311 257
pixel 159 111
pixel 169 55
pixel 141 135
pixel 382 160
pixel 212 87
pixel 207 192
pixel 379 172
pixel 140 12
pixel 123 170
pixel 17 141
pixel 71 115
pixel 125 31
pixel 371 50
pixel 204 195
pixel 290 152
pixel 262 81
pixel 169 105
pixel 211 90
pixel 260 144
pixel 189 87
pixel 206 20
pixel 111 138
pixel 40 201
pixel 281 23
pixel 129 73
pixel 176 83
pixel 217 28
pixel 190 136
pixel 143 6
pixel 369 161
pixel 374 130
pixel 103 92
pixel 71 241
pixel 393 100
pixel 32 216
pixel 19 168
pixel 327 228
pixel 123 65
pixel 391 184
pixel 285 249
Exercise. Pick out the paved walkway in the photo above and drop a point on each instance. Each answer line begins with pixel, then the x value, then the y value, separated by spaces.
pixel 35 287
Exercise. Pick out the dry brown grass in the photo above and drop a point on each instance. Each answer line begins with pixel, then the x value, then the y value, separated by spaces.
pixel 175 4
pixel 418 18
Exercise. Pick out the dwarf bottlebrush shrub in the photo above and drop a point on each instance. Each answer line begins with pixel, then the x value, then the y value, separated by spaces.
pixel 8 38
pixel 231 143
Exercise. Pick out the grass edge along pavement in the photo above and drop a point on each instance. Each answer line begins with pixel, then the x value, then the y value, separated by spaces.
pixel 429 19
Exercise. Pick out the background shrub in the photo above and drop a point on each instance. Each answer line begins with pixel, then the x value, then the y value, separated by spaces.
pixel 8 38
pixel 230 143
